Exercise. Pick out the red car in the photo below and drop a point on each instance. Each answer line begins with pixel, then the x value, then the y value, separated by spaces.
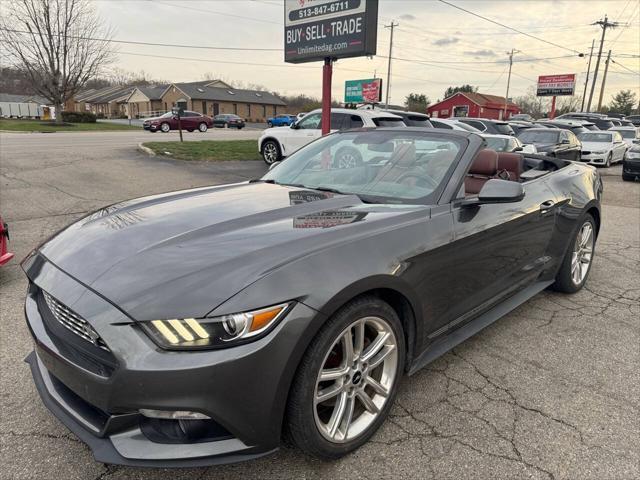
pixel 5 255
pixel 190 121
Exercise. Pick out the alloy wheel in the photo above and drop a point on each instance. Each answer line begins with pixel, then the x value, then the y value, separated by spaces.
pixel 582 253
pixel 356 378
pixel 202 127
pixel 165 127
pixel 270 152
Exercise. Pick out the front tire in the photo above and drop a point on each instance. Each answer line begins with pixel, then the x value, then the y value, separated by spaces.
pixel 348 379
pixel 202 127
pixel 576 265
pixel 269 124
pixel 165 127
pixel 608 164
pixel 271 152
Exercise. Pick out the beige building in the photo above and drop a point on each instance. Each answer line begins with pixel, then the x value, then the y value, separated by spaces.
pixel 215 97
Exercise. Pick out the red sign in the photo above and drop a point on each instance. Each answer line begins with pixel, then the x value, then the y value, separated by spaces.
pixel 371 91
pixel 556 85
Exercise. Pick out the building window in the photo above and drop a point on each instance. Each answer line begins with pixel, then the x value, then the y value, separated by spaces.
pixel 235 108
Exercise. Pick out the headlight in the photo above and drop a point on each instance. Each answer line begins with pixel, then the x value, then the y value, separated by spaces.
pixel 215 332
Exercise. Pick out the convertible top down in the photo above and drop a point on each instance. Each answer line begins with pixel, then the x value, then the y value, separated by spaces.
pixel 195 327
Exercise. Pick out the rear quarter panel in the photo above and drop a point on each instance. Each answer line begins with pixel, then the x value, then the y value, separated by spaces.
pixel 578 190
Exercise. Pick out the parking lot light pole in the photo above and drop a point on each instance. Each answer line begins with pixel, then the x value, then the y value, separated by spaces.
pixel 327 71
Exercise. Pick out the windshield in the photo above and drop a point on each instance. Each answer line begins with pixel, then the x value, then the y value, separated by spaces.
pixel 539 136
pixel 391 166
pixel 504 128
pixel 595 137
pixel 627 133
pixel 497 144
pixel 604 124
pixel 167 115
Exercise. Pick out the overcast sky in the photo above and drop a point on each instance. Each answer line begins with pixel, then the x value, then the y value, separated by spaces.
pixel 429 31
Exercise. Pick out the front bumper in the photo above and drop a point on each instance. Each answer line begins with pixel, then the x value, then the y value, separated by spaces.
pixel 594 158
pixel 242 389
pixel 150 127
pixel 631 167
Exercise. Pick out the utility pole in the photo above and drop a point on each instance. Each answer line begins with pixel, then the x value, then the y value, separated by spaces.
pixel 604 79
pixel 392 26
pixel 586 82
pixel 604 24
pixel 506 97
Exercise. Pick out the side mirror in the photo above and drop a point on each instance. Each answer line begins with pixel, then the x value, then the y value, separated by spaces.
pixel 565 141
pixel 294 125
pixel 274 165
pixel 497 190
pixel 518 149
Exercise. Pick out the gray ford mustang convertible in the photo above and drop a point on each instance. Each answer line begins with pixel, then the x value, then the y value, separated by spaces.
pixel 201 326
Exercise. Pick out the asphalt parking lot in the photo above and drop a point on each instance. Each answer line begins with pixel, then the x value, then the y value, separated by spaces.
pixel 552 391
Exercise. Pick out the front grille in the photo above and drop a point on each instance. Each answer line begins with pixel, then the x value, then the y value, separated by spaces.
pixel 73 322
pixel 585 152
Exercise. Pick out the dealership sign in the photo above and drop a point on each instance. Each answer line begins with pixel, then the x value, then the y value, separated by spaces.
pixel 363 91
pixel 319 29
pixel 556 85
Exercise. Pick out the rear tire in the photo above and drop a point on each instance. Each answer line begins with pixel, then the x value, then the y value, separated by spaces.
pixel 362 380
pixel 575 268
pixel 269 124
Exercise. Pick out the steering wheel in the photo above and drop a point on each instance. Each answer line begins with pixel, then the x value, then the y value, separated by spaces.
pixel 413 179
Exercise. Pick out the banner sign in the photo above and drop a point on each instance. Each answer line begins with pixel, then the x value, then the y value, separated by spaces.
pixel 316 29
pixel 556 85
pixel 363 91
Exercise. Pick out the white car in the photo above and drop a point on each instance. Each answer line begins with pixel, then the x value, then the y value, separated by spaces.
pixel 278 143
pixel 507 143
pixel 630 135
pixel 451 124
pixel 602 148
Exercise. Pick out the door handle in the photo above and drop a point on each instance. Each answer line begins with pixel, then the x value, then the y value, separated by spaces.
pixel 546 207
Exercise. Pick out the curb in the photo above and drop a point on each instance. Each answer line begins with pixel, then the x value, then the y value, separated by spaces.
pixel 146 150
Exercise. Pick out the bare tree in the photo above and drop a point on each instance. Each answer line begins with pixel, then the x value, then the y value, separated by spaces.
pixel 58 44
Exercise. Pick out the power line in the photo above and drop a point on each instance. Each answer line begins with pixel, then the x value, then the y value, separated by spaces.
pixel 132 42
pixel 243 17
pixel 508 27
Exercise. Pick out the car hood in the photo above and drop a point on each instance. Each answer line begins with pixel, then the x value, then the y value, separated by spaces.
pixel 596 146
pixel 274 131
pixel 153 119
pixel 184 253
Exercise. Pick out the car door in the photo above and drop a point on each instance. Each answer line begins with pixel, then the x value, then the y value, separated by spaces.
pixel 304 132
pixel 497 250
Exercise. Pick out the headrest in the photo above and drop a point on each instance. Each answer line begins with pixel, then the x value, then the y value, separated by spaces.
pixel 405 154
pixel 510 161
pixel 485 163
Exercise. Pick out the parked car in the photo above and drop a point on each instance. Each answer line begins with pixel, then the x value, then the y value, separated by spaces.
pixel 497 127
pixel 575 126
pixel 602 148
pixel 189 121
pixel 601 121
pixel 324 288
pixel 412 119
pixel 630 135
pixel 507 143
pixel 553 142
pixel 519 125
pixel 451 124
pixel 284 120
pixel 631 164
pixel 228 120
pixel 634 119
pixel 626 123
pixel 278 143
pixel 521 116
pixel 5 254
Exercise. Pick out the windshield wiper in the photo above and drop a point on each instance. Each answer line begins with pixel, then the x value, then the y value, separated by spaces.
pixel 260 180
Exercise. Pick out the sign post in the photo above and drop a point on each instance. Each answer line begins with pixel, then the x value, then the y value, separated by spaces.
pixel 178 112
pixel 327 30
pixel 554 86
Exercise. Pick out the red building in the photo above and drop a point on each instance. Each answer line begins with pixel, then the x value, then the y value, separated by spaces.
pixel 464 104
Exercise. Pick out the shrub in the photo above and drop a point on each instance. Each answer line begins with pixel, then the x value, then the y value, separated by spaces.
pixel 78 117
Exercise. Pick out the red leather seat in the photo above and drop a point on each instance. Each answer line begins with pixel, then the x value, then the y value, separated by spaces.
pixel 483 167
pixel 510 166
